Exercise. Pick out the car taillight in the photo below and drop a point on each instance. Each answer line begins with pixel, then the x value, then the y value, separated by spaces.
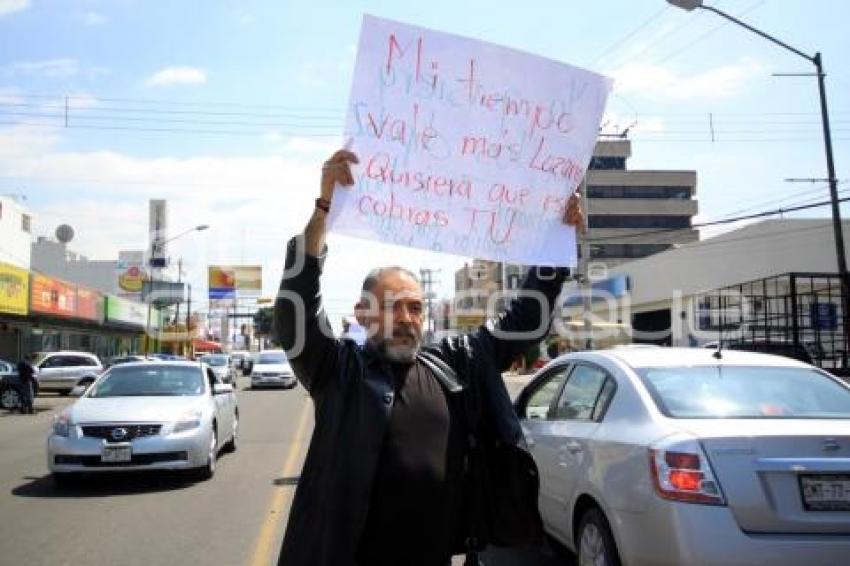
pixel 681 472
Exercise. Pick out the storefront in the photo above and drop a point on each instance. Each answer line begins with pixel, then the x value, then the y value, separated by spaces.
pixel 14 307
pixel 64 316
pixel 125 321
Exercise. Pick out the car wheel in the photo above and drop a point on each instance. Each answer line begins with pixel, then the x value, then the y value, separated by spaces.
pixel 10 398
pixel 233 444
pixel 595 543
pixel 207 471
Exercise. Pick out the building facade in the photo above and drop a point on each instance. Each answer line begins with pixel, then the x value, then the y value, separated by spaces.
pixel 15 232
pixel 56 260
pixel 636 213
pixel 774 281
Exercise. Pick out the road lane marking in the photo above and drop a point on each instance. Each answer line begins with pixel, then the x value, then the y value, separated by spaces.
pixel 264 548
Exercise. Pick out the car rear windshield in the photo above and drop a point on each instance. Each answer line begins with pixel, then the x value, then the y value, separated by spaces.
pixel 704 392
pixel 159 381
pixel 278 358
pixel 215 360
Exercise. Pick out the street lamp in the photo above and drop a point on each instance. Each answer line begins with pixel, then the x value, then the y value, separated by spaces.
pixel 157 246
pixel 830 162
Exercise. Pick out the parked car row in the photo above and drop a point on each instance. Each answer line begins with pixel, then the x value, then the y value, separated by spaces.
pixel 66 371
pixel 690 456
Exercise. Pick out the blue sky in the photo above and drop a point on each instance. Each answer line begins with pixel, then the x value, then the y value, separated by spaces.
pixel 252 97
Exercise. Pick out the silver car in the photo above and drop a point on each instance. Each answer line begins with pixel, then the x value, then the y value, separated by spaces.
pixel 146 416
pixel 221 365
pixel 272 369
pixel 685 456
pixel 63 371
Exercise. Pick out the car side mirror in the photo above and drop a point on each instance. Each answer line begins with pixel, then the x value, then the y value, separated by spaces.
pixel 222 388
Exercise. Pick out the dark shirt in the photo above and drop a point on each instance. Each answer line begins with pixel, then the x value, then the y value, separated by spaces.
pixel 26 373
pixel 416 511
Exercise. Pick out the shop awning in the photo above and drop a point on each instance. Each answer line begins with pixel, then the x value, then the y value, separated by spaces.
pixel 206 345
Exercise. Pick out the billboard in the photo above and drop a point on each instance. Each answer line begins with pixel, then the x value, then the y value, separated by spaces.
pixel 14 290
pixel 163 293
pixel 89 305
pixel 51 296
pixel 125 311
pixel 158 228
pixel 131 274
pixel 228 281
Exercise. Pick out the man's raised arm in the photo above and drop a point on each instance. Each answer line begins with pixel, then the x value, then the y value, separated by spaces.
pixel 527 320
pixel 300 322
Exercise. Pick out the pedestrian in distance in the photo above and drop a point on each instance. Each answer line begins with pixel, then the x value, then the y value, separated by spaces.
pixel 416 454
pixel 26 380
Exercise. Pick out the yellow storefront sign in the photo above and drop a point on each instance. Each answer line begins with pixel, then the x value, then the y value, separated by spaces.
pixel 14 290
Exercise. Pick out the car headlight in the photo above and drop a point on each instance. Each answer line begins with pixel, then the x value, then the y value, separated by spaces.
pixel 188 421
pixel 62 425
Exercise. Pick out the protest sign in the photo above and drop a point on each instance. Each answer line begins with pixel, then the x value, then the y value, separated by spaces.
pixel 466 147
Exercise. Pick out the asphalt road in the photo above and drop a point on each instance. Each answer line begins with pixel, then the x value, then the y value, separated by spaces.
pixel 235 519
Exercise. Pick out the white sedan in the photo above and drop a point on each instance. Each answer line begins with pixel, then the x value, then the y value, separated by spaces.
pixel 146 416
pixel 688 456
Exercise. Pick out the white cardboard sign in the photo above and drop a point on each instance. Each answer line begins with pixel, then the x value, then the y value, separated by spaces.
pixel 466 147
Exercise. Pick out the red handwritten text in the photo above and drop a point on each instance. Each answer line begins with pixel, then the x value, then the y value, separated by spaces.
pixel 381 168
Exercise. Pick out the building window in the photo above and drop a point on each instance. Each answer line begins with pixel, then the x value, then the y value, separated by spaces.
pixel 25 223
pixel 608 163
pixel 639 221
pixel 604 251
pixel 644 192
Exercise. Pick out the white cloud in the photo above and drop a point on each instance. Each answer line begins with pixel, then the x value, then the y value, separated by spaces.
pixel 177 76
pixel 12 6
pixel 253 205
pixel 27 141
pixel 662 83
pixel 319 148
pixel 10 96
pixel 94 19
pixel 82 100
pixel 50 68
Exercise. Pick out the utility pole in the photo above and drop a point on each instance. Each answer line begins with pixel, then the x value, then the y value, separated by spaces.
pixel 586 287
pixel 179 280
pixel 188 319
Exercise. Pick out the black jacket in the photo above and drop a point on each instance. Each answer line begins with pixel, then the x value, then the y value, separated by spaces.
pixel 353 396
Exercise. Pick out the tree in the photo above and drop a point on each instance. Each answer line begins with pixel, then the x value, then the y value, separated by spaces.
pixel 263 320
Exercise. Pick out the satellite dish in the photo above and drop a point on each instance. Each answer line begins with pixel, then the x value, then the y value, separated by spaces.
pixel 64 233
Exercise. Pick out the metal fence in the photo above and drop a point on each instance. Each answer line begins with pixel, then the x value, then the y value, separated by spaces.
pixel 797 313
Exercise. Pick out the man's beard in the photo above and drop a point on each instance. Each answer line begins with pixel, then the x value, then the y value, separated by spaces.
pixel 399 354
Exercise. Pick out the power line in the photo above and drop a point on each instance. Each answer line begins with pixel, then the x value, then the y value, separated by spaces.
pixel 677 52
pixel 172 130
pixel 166 102
pixel 722 221
pixel 629 35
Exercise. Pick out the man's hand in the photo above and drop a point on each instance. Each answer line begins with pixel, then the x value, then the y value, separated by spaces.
pixel 337 169
pixel 574 215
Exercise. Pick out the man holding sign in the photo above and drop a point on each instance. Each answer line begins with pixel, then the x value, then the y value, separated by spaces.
pixel 417 454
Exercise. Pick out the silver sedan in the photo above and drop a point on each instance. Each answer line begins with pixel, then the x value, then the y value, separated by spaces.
pixel 685 456
pixel 146 416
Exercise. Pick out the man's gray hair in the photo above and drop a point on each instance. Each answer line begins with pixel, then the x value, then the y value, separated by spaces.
pixel 374 276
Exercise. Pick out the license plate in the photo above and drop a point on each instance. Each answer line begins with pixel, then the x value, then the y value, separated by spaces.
pixel 826 492
pixel 113 454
